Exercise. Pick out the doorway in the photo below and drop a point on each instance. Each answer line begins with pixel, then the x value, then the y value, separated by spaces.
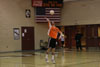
pixel 27 38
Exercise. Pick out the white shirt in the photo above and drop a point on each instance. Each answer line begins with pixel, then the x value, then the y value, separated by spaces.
pixel 62 38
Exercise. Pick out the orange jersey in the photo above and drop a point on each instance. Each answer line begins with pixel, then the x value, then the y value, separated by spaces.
pixel 53 31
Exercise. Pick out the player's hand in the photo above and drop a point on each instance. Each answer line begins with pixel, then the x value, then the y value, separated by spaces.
pixel 47 19
pixel 62 34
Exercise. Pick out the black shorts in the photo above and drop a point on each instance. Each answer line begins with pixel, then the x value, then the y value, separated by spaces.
pixel 62 42
pixel 52 43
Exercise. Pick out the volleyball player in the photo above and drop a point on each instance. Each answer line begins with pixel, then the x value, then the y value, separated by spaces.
pixel 53 33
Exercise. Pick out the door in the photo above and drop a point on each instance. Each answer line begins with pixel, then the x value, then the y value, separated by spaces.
pixel 27 38
pixel 73 32
pixel 68 39
pixel 70 33
pixel 92 35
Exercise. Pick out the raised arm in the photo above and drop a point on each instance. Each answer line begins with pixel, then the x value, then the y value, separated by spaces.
pixel 49 23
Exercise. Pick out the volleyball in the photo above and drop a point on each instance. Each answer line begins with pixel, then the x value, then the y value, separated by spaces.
pixel 52 12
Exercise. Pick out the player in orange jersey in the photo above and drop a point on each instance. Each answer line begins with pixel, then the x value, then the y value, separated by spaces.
pixel 53 34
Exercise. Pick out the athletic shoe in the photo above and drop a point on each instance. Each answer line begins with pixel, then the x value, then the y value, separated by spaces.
pixel 47 60
pixel 53 61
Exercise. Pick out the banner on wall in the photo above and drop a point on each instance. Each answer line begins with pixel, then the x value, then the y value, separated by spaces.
pixel 28 13
pixel 47 3
pixel 41 13
pixel 16 33
pixel 37 3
